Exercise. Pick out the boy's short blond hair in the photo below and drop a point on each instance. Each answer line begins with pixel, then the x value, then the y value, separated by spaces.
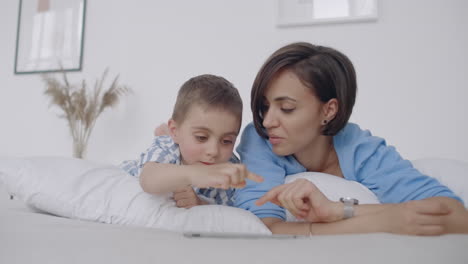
pixel 210 91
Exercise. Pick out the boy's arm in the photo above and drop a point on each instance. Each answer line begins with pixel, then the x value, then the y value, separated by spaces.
pixel 160 178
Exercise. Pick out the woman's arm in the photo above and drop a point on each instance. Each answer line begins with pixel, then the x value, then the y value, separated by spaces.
pixel 397 218
pixel 457 220
pixel 432 216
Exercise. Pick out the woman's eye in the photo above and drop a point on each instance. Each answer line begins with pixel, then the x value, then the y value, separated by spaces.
pixel 288 110
pixel 201 138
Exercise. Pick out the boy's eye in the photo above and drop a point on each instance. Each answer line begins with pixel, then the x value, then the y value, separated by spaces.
pixel 201 138
pixel 227 142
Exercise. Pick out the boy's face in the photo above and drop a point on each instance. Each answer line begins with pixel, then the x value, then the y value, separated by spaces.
pixel 206 136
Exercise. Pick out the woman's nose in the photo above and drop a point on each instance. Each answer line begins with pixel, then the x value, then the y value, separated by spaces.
pixel 269 119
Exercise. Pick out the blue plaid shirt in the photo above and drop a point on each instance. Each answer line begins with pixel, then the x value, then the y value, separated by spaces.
pixel 165 150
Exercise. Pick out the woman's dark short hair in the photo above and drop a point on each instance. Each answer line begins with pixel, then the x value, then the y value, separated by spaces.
pixel 326 71
pixel 210 91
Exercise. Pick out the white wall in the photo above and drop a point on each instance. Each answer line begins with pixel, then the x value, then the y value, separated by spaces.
pixel 412 70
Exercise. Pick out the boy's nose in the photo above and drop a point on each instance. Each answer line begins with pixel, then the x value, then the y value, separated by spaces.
pixel 212 149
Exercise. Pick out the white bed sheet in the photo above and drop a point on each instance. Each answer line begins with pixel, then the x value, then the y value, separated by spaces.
pixel 31 237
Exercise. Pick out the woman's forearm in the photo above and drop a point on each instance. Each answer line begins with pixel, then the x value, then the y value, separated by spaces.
pixel 365 209
pixel 363 224
pixel 432 216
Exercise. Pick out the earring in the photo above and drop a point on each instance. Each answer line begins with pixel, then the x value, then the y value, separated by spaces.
pixel 324 122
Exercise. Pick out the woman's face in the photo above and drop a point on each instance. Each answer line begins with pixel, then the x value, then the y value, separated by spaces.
pixel 293 115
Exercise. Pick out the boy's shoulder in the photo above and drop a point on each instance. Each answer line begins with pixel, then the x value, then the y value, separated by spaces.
pixel 164 140
pixel 162 150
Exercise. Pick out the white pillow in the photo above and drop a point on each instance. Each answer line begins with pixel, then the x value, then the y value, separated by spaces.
pixel 4 196
pixel 451 173
pixel 90 191
pixel 334 188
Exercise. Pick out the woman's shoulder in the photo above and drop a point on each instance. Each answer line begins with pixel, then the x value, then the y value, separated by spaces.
pixel 254 147
pixel 250 131
pixel 251 138
pixel 252 144
pixel 356 146
pixel 353 135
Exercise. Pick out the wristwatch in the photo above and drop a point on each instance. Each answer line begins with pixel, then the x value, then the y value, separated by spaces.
pixel 348 206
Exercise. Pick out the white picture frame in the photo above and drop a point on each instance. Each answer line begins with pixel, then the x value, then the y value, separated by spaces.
pixel 312 12
pixel 50 36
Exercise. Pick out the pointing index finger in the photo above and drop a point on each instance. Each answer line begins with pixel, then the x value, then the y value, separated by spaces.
pixel 254 177
pixel 271 196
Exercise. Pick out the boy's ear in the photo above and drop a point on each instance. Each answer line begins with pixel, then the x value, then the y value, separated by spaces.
pixel 172 125
pixel 330 109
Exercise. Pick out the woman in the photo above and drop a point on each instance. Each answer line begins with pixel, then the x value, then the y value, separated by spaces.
pixel 301 101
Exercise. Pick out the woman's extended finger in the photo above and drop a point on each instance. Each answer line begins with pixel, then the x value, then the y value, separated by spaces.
pixel 271 196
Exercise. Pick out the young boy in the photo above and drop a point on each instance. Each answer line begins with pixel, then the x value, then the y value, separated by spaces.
pixel 202 132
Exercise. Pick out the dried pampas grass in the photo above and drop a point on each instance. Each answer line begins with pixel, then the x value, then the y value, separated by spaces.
pixel 82 107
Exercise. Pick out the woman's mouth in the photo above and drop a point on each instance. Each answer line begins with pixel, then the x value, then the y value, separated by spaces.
pixel 206 163
pixel 275 140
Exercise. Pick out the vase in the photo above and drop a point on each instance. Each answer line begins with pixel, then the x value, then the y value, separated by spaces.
pixel 79 149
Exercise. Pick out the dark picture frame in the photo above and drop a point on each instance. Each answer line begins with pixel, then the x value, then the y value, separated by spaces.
pixel 50 36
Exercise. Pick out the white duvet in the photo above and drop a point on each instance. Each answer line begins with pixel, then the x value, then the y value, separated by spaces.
pixel 85 190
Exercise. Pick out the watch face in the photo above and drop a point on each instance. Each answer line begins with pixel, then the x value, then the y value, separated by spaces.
pixel 349 200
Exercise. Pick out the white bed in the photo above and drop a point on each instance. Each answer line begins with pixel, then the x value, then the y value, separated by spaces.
pixel 29 236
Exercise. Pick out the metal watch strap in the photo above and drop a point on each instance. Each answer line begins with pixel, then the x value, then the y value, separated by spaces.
pixel 348 209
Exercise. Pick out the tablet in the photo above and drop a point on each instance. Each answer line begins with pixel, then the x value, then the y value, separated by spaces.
pixel 240 235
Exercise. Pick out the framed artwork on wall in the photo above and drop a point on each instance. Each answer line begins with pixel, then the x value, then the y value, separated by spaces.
pixel 312 12
pixel 50 36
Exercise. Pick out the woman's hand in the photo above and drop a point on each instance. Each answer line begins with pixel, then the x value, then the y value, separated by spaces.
pixel 223 176
pixel 305 201
pixel 426 217
pixel 187 198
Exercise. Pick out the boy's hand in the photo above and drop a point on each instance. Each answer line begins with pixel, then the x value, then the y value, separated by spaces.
pixel 187 198
pixel 223 176
pixel 162 130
